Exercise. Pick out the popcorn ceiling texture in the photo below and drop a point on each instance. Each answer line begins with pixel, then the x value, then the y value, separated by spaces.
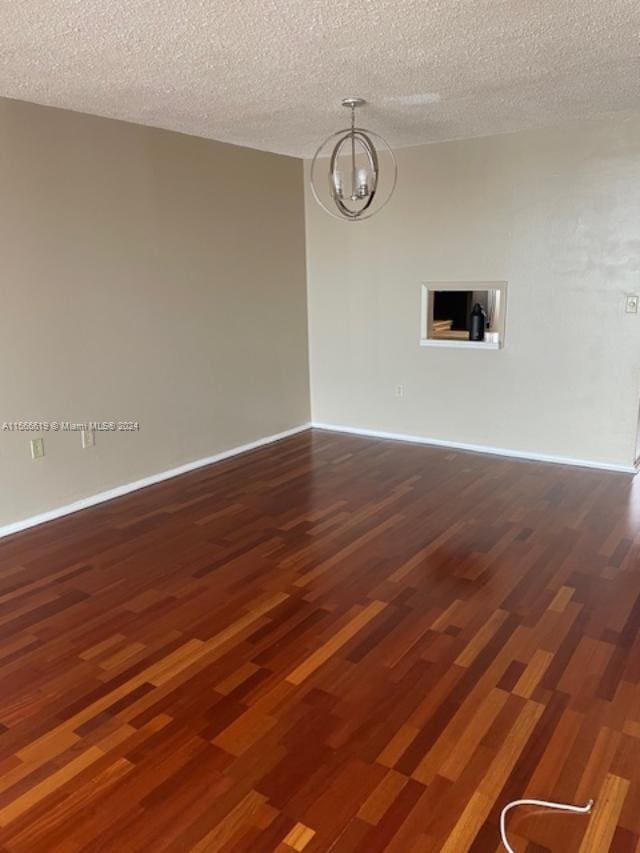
pixel 270 73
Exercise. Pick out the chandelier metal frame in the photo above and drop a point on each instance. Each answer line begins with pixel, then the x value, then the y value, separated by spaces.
pixel 353 137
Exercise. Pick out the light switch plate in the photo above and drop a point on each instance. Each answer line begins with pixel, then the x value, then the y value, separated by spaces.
pixel 631 306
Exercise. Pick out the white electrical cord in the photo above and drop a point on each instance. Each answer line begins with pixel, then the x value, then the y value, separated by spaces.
pixel 563 807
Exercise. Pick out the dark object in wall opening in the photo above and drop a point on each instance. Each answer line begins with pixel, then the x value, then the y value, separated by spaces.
pixel 477 323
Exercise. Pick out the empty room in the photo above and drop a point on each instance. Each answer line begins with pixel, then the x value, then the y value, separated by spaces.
pixel 319 426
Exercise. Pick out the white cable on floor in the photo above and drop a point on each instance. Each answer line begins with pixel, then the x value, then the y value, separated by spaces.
pixel 563 807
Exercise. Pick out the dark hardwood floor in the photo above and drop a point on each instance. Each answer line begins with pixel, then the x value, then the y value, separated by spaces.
pixel 333 643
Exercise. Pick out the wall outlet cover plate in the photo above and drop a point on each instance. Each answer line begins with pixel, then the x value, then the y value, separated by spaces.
pixel 37 448
pixel 88 438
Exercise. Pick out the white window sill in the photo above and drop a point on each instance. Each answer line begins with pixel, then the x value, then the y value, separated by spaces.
pixel 462 344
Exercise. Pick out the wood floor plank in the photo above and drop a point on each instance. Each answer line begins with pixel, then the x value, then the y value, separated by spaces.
pixel 299 836
pixel 334 643
pixel 602 826
pixel 33 795
pixel 346 633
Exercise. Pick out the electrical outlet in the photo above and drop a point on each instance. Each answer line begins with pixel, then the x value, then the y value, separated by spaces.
pixel 631 306
pixel 399 390
pixel 37 448
pixel 88 438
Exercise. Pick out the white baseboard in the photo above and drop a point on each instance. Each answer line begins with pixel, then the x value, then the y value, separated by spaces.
pixel 480 448
pixel 116 492
pixel 124 489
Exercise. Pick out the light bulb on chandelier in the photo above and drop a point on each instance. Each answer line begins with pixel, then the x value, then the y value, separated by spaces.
pixel 360 167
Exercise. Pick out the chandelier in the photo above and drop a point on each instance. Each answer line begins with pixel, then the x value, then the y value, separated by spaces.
pixel 356 183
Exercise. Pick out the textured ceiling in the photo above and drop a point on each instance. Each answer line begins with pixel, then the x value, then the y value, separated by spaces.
pixel 270 73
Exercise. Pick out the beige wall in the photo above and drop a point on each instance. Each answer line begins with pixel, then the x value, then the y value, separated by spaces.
pixel 145 276
pixel 157 277
pixel 556 214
